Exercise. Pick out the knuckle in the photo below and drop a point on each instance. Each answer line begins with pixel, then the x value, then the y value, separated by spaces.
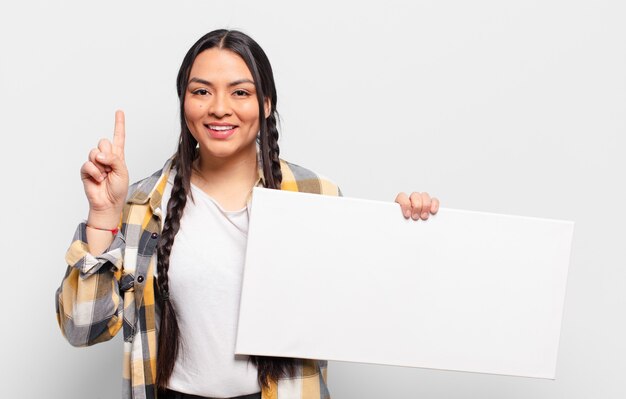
pixel 416 201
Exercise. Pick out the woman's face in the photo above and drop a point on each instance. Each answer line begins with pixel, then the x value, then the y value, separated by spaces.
pixel 221 106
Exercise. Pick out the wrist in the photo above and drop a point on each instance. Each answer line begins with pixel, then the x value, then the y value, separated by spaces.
pixel 112 231
pixel 107 221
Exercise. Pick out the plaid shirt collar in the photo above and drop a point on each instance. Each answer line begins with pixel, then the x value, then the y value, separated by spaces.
pixel 152 189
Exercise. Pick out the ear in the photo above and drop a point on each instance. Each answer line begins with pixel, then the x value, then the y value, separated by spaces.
pixel 267 107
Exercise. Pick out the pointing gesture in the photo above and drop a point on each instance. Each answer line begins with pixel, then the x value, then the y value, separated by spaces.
pixel 105 178
pixel 119 134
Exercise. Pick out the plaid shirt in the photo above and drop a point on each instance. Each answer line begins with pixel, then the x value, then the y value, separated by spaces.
pixel 102 294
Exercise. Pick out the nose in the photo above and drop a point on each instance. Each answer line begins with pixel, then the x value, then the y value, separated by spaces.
pixel 219 106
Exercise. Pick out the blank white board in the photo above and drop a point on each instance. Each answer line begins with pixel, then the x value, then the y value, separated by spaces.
pixel 352 280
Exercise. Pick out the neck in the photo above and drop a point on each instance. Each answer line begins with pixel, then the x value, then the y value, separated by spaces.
pixel 230 170
pixel 226 175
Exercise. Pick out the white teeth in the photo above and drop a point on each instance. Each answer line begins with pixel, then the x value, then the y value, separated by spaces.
pixel 221 128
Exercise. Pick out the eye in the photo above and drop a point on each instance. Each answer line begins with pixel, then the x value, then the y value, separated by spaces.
pixel 241 93
pixel 201 92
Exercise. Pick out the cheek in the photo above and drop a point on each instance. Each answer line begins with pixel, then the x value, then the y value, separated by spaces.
pixel 251 113
pixel 193 110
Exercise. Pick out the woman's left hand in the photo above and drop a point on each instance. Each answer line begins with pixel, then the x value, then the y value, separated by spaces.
pixel 417 205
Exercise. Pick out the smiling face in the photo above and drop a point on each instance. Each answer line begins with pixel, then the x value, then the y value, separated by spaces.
pixel 221 105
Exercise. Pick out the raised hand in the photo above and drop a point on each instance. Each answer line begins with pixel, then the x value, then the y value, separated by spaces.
pixel 105 178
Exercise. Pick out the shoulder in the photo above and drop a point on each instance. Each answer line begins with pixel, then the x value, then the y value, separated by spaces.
pixel 298 178
pixel 143 199
pixel 141 191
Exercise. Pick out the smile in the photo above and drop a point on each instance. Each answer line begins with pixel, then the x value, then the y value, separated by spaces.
pixel 220 128
pixel 220 131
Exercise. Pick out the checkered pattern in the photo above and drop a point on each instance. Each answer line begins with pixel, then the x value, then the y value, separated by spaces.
pixel 102 294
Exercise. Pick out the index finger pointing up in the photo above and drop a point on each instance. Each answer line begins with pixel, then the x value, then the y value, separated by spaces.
pixel 119 134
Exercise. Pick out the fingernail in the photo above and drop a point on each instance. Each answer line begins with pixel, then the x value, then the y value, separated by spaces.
pixel 100 156
pixel 407 213
pixel 416 216
pixel 425 215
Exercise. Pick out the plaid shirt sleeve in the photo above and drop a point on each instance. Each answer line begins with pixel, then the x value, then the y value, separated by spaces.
pixel 88 302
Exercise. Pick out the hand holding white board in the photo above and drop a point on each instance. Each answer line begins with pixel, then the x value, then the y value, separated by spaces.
pixel 349 279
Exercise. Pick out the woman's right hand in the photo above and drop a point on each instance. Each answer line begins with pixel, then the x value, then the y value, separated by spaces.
pixel 105 178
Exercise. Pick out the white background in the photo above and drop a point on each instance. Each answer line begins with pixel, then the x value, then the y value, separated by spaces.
pixel 515 107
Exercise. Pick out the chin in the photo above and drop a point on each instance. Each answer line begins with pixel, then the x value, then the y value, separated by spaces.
pixel 220 153
pixel 228 150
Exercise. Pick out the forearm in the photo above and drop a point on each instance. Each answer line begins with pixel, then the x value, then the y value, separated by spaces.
pixel 87 322
pixel 88 302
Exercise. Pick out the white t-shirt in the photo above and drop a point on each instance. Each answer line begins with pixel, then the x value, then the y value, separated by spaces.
pixel 205 277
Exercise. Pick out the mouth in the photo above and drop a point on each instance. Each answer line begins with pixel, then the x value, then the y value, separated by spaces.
pixel 220 131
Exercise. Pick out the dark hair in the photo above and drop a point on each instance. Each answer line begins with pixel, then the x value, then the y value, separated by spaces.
pixel 269 368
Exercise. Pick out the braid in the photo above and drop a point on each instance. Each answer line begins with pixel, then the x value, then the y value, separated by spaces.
pixel 169 335
pixel 272 368
pixel 270 153
pixel 170 228
pixel 274 150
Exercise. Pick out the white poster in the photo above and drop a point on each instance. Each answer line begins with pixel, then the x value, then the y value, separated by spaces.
pixel 352 280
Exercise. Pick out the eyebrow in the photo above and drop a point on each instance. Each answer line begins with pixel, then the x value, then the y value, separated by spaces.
pixel 234 83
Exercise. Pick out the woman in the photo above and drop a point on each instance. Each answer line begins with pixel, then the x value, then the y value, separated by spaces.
pixel 193 248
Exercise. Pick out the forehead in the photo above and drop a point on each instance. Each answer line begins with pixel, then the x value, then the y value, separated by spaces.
pixel 219 65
